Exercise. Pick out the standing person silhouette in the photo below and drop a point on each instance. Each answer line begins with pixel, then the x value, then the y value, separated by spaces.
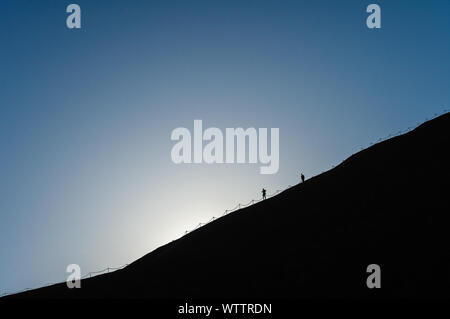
pixel 302 177
pixel 263 193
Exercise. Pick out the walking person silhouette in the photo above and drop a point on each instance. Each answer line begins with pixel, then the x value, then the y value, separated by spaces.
pixel 263 193
pixel 302 177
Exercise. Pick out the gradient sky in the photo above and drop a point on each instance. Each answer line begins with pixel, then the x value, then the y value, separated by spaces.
pixel 86 175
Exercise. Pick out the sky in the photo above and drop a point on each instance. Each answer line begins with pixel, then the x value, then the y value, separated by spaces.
pixel 86 115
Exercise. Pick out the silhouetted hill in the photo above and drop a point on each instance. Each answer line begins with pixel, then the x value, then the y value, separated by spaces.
pixel 388 205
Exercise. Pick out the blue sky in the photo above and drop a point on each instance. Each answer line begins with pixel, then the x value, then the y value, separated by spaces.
pixel 86 115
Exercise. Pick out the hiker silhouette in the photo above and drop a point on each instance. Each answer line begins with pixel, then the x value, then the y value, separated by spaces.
pixel 302 177
pixel 263 193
